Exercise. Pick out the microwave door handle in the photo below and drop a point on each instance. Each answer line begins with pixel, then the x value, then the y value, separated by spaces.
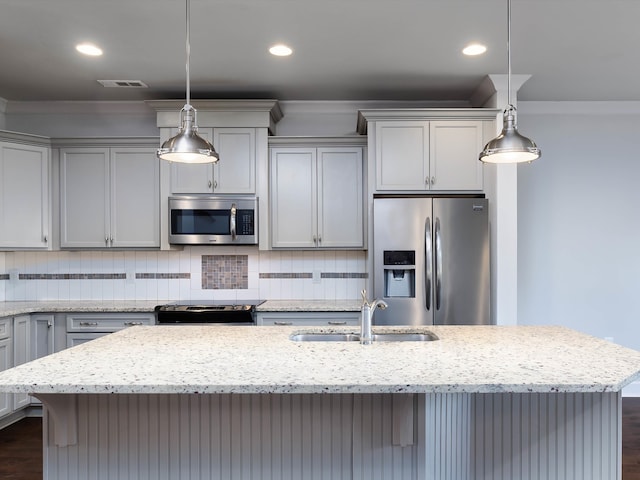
pixel 232 222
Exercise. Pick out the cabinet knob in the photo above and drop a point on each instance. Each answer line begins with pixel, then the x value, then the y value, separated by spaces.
pixel 45 239
pixel 132 324
pixel 335 322
pixel 282 323
pixel 209 184
pixel 426 180
pixel 433 180
pixel 106 240
pixel 215 184
pixel 319 239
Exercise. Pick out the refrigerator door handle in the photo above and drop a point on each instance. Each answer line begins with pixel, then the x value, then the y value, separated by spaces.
pixel 427 263
pixel 438 262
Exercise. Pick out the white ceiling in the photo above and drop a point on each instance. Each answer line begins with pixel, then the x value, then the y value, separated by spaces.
pixel 343 49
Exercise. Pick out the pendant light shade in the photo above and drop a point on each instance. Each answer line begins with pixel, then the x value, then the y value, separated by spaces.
pixel 509 146
pixel 187 146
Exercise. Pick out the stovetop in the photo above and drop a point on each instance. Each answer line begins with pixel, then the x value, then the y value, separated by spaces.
pixel 191 305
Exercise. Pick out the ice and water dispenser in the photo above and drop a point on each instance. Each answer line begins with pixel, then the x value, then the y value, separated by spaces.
pixel 399 273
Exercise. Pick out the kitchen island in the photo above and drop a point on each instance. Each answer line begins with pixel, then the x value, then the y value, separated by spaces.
pixel 189 402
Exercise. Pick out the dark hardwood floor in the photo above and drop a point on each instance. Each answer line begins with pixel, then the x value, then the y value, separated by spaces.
pixel 21 446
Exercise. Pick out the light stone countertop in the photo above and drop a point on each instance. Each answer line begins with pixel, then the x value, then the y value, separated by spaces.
pixel 9 309
pixel 205 359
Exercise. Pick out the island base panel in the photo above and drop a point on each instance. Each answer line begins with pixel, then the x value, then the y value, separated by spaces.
pixel 575 436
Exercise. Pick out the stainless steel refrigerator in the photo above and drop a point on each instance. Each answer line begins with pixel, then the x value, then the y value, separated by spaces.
pixel 431 261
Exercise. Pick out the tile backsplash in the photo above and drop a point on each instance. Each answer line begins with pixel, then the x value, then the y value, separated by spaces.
pixel 195 273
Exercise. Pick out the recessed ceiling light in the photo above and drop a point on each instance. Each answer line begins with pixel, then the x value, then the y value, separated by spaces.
pixel 474 49
pixel 89 49
pixel 280 50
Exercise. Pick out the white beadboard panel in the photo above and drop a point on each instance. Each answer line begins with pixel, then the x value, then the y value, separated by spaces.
pixel 375 457
pixel 178 437
pixel 547 436
pixel 448 436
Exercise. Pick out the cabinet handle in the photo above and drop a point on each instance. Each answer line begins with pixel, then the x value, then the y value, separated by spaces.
pixel 106 240
pixel 319 239
pixel 111 239
pixel 132 324
pixel 427 181
pixel 315 240
pixel 209 184
pixel 88 324
pixel 215 184
pixel 45 239
pixel 433 180
pixel 337 322
pixel 282 323
pixel 49 323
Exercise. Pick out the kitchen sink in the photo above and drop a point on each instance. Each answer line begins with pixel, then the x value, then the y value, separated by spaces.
pixel 325 337
pixel 354 337
pixel 404 337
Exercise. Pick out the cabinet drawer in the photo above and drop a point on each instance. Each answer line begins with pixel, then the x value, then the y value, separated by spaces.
pixel 5 327
pixel 103 322
pixel 314 319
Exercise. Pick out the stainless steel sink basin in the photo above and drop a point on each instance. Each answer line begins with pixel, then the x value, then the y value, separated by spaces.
pixel 404 337
pixel 354 337
pixel 325 337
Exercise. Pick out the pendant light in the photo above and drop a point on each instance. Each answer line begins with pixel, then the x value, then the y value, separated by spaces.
pixel 509 146
pixel 187 146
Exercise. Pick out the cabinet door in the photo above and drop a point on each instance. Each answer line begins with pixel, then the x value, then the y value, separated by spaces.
pixel 454 151
pixel 402 155
pixel 84 197
pixel 21 353
pixel 236 170
pixel 24 196
pixel 340 198
pixel 6 362
pixel 75 339
pixel 135 198
pixel 193 178
pixel 293 198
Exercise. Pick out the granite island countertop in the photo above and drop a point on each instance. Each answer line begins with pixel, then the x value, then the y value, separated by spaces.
pixel 204 359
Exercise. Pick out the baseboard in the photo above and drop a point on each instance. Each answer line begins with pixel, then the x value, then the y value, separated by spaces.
pixel 33 411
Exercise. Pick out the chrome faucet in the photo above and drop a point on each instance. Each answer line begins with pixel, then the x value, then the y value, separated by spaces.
pixel 366 317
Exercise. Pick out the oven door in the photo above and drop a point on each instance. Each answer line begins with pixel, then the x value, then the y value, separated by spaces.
pixel 224 315
pixel 209 220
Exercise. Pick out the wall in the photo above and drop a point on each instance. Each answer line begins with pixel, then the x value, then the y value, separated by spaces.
pixel 171 275
pixel 578 219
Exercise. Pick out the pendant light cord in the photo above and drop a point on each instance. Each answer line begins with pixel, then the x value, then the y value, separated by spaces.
pixel 509 53
pixel 188 49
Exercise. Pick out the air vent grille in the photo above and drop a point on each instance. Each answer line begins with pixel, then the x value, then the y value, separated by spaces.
pixel 123 84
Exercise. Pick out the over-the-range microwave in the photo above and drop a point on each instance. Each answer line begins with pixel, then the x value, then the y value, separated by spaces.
pixel 213 220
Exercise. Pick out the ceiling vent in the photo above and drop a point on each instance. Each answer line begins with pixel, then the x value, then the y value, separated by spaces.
pixel 123 84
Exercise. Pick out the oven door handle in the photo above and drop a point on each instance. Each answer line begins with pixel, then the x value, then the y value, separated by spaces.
pixel 232 221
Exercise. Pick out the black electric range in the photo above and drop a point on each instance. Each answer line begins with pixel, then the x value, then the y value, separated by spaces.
pixel 219 312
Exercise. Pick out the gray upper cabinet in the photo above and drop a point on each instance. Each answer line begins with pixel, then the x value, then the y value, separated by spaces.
pixel 434 155
pixel 234 173
pixel 426 150
pixel 316 197
pixel 109 197
pixel 24 196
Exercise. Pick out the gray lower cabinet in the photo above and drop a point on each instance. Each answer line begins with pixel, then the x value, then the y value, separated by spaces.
pixel 308 319
pixel 6 361
pixel 84 327
pixel 21 354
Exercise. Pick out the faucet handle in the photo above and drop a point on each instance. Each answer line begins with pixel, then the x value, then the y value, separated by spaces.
pixel 363 292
